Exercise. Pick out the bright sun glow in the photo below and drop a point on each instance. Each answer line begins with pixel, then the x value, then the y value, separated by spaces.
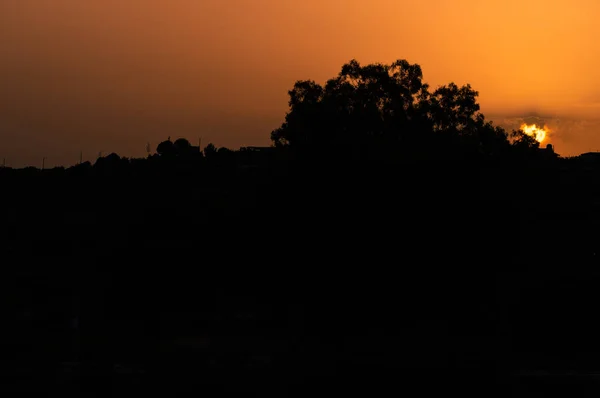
pixel 539 133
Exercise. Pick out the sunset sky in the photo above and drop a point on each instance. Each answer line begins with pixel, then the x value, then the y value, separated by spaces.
pixel 112 75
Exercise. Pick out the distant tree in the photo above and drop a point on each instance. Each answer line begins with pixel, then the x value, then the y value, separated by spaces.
pixel 224 151
pixel 493 140
pixel 210 150
pixel 303 119
pixel 166 148
pixel 112 158
pixel 182 146
pixel 111 163
pixel 455 109
pixel 524 145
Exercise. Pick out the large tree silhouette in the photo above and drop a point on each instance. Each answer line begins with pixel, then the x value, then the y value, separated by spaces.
pixel 385 110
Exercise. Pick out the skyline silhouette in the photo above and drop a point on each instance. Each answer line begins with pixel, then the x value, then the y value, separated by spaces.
pixel 108 75
pixel 448 107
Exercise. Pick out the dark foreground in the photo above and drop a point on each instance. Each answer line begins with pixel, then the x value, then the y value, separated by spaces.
pixel 282 283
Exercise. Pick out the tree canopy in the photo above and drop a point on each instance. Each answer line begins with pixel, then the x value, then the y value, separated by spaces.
pixel 387 111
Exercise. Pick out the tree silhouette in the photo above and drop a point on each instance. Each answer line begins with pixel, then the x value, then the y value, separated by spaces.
pixel 210 150
pixel 182 146
pixel 384 109
pixel 112 160
pixel 524 146
pixel 361 106
pixel 453 108
pixel 166 148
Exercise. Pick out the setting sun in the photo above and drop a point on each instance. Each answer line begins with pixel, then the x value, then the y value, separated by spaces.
pixel 539 133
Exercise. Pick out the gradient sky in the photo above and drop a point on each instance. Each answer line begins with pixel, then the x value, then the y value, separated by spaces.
pixel 112 75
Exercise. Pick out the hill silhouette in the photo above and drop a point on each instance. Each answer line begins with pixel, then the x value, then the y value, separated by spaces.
pixel 391 239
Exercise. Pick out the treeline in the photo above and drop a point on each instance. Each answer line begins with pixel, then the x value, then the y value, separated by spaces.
pixel 170 157
pixel 387 113
pixel 382 114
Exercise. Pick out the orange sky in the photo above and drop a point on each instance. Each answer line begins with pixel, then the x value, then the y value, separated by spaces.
pixel 112 75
